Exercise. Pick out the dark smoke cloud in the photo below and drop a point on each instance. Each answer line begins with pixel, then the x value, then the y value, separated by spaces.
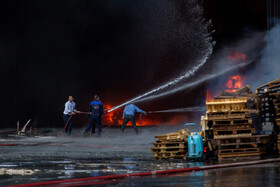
pixel 52 49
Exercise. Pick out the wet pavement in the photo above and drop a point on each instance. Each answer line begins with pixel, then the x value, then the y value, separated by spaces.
pixel 257 175
pixel 27 159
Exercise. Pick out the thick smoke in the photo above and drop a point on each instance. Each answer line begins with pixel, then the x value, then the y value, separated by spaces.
pixel 268 67
pixel 262 60
pixel 225 64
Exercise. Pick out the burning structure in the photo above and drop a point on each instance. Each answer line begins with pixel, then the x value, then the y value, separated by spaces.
pixel 235 125
pixel 242 124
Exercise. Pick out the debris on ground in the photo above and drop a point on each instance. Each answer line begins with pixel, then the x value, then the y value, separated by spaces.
pixel 171 145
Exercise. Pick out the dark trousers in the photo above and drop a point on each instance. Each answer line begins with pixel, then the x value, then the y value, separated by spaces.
pixel 68 129
pixel 94 121
pixel 130 118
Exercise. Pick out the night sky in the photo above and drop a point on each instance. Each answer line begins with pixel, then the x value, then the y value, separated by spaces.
pixel 116 48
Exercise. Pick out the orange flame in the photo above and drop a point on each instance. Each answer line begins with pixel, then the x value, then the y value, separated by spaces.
pixel 234 83
pixel 115 118
pixel 111 117
pixel 208 95
pixel 236 56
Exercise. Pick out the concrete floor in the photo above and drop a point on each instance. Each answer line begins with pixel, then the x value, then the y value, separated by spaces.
pixel 29 159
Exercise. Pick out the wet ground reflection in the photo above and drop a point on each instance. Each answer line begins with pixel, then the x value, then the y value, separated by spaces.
pixel 257 175
pixel 33 159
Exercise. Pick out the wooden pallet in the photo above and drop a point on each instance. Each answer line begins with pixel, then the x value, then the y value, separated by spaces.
pixel 226 105
pixel 178 155
pixel 170 138
pixel 277 100
pixel 232 136
pixel 170 144
pixel 241 126
pixel 236 131
pixel 239 145
pixel 276 95
pixel 278 121
pixel 168 150
pixel 247 156
pixel 227 116
pixel 231 121
pixel 240 150
pixel 274 90
pixel 180 135
pixel 182 157
pixel 271 87
pixel 246 139
pixel 278 143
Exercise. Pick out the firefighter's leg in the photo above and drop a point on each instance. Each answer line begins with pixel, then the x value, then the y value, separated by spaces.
pixel 132 120
pixel 124 123
pixel 99 126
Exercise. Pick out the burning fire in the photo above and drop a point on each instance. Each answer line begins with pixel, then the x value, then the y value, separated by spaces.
pixel 115 118
pixel 236 56
pixel 111 117
pixel 208 95
pixel 234 83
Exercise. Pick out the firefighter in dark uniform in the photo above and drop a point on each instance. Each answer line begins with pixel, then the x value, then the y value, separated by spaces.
pixel 96 111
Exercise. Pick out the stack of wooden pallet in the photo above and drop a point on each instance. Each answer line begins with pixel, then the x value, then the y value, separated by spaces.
pixel 232 129
pixel 276 102
pixel 229 117
pixel 270 102
pixel 171 146
pixel 250 147
pixel 278 143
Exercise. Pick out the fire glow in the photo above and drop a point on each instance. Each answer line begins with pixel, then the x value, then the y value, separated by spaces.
pixel 234 83
pixel 233 56
pixel 115 118
pixel 208 95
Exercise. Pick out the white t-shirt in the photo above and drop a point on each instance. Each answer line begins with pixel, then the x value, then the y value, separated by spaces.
pixel 69 107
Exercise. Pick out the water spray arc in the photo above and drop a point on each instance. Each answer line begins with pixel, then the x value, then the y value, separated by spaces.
pixel 166 85
pixel 187 109
pixel 202 52
pixel 195 83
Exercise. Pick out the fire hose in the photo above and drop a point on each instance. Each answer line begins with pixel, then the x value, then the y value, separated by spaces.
pixel 70 119
pixel 80 113
pixel 96 180
pixel 66 124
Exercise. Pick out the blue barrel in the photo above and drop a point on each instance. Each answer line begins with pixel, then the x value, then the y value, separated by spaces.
pixel 195 144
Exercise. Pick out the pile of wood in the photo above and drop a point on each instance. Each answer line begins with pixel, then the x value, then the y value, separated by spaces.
pixel 244 92
pixel 229 117
pixel 250 147
pixel 278 143
pixel 276 102
pixel 269 95
pixel 231 125
pixel 171 146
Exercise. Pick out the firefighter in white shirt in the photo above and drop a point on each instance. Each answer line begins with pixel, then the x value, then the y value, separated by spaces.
pixel 69 110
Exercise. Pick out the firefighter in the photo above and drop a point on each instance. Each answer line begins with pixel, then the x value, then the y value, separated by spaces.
pixel 96 111
pixel 129 115
pixel 68 113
